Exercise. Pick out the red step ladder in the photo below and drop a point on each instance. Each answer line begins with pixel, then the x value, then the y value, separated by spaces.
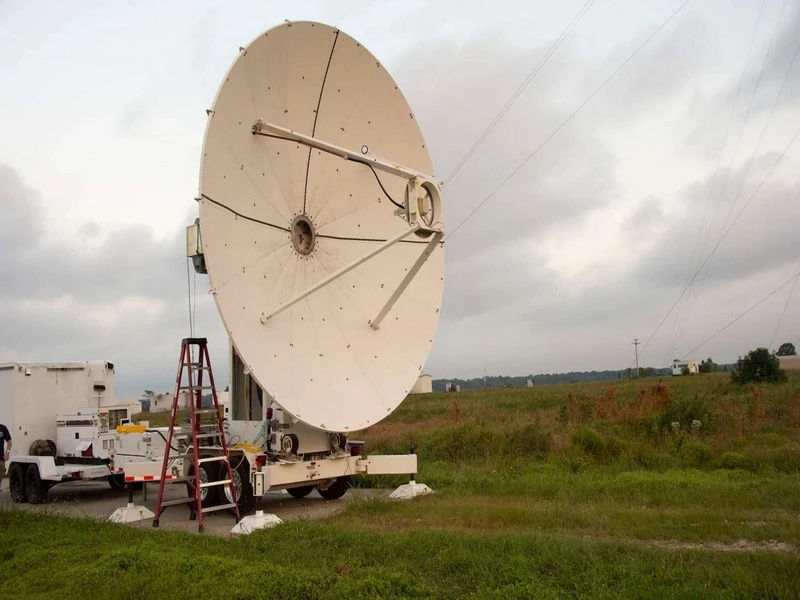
pixel 210 454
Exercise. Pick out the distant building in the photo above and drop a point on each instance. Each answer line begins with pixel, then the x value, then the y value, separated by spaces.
pixel 163 402
pixel 685 367
pixel 790 363
pixel 133 406
pixel 530 382
pixel 424 385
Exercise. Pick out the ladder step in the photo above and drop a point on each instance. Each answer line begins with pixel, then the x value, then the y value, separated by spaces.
pixel 213 483
pixel 211 459
pixel 176 502
pixel 209 427
pixel 180 479
pixel 218 507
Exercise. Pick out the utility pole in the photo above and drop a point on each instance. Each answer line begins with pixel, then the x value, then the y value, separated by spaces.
pixel 635 343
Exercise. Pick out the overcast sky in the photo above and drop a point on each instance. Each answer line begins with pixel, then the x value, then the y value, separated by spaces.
pixel 102 115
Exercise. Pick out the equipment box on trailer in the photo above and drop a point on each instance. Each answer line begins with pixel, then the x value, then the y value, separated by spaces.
pixel 62 424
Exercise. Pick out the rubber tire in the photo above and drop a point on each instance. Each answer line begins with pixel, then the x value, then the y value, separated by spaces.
pixel 301 492
pixel 211 493
pixel 292 441
pixel 244 490
pixel 35 488
pixel 336 489
pixel 116 482
pixel 16 483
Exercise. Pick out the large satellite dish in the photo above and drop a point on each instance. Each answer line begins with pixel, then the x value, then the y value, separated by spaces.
pixel 321 226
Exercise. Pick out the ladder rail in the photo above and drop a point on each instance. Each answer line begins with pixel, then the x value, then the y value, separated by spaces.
pixel 195 368
pixel 221 429
pixel 161 482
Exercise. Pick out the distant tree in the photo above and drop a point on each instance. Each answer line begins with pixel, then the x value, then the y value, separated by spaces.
pixel 147 400
pixel 787 349
pixel 708 366
pixel 758 366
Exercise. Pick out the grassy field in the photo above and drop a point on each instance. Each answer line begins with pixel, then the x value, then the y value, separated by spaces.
pixel 680 488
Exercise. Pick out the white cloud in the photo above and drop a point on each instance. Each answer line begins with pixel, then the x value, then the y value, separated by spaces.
pixel 585 248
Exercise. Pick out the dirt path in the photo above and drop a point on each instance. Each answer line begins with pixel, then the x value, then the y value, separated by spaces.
pixel 735 546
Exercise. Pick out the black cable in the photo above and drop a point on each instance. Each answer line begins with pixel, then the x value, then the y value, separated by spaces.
pixel 363 162
pixel 162 437
pixel 319 235
pixel 316 115
pixel 380 183
pixel 245 217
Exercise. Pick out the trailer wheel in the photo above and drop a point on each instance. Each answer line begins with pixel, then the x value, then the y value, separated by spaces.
pixel 301 492
pixel 117 482
pixel 241 481
pixel 35 488
pixel 335 489
pixel 209 496
pixel 16 483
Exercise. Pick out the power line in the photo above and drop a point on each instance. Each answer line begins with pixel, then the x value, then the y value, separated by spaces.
pixel 724 235
pixel 749 109
pixel 570 26
pixel 783 312
pixel 772 293
pixel 567 120
pixel 730 167
pixel 681 319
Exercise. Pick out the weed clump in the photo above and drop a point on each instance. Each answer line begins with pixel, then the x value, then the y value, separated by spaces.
pixel 594 445
pixel 530 440
pixel 691 414
pixel 589 442
pixel 733 460
pixel 695 454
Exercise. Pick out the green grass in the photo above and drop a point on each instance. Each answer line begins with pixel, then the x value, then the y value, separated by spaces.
pixel 65 558
pixel 681 488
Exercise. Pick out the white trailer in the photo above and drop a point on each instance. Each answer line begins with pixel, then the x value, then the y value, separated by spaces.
pixel 63 423
pixel 685 367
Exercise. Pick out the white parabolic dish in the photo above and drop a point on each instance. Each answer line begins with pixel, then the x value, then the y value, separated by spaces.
pixel 319 359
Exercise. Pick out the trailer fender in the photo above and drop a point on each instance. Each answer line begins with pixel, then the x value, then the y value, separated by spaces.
pixel 45 464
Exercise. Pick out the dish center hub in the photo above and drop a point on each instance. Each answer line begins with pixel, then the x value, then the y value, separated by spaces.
pixel 304 237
